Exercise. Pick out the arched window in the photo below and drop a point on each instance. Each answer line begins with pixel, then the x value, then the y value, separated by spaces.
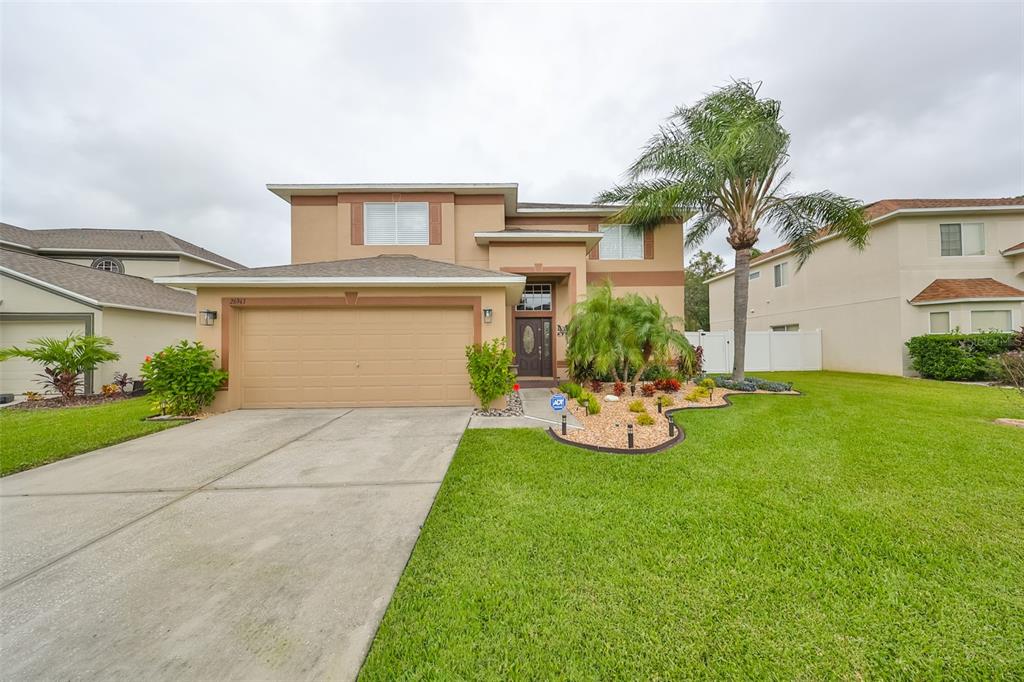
pixel 109 264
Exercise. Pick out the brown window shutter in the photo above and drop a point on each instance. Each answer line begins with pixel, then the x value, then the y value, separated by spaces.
pixel 648 244
pixel 595 253
pixel 435 222
pixel 357 223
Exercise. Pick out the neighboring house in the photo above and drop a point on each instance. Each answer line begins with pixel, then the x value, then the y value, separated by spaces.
pixel 47 297
pixel 144 253
pixel 57 282
pixel 389 283
pixel 931 266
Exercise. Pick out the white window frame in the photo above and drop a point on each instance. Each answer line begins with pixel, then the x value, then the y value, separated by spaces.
pixel 118 268
pixel 395 237
pixel 931 322
pixel 613 244
pixel 960 231
pixel 1009 316
pixel 754 274
pixel 781 274
pixel 791 327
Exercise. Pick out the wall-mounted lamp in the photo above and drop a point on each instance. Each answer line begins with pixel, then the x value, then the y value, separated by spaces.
pixel 488 315
pixel 206 317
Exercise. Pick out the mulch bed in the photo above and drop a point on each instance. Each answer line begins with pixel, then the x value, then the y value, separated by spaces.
pixel 607 430
pixel 58 402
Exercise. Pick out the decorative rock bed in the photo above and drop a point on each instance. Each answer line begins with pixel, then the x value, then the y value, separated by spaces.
pixel 513 408
pixel 607 431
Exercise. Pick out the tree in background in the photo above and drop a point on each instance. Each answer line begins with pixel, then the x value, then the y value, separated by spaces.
pixel 703 266
pixel 723 161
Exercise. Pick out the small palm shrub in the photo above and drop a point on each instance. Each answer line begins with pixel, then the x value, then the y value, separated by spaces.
pixel 637 406
pixel 183 379
pixel 64 360
pixel 645 419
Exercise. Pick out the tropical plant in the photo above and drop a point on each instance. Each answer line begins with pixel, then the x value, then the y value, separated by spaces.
pixel 593 406
pixel 666 401
pixel 618 389
pixel 644 420
pixel 621 337
pixel 637 406
pixel 121 380
pixel 571 389
pixel 64 360
pixel 183 379
pixel 596 385
pixel 647 389
pixel 722 162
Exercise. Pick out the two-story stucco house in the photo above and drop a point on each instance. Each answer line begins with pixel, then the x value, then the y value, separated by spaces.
pixel 389 283
pixel 931 266
pixel 95 281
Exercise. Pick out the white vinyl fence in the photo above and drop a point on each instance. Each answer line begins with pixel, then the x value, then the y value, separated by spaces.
pixel 766 351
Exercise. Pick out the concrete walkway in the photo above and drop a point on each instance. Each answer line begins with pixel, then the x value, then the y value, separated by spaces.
pixel 252 545
pixel 537 414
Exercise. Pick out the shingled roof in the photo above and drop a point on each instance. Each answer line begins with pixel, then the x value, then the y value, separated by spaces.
pixel 98 287
pixel 401 266
pixel 943 290
pixel 107 240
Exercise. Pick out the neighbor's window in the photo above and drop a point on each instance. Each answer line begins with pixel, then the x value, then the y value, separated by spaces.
pixel 991 320
pixel 535 297
pixel 785 327
pixel 405 222
pixel 108 264
pixel 938 323
pixel 781 274
pixel 962 239
pixel 621 243
pixel 755 274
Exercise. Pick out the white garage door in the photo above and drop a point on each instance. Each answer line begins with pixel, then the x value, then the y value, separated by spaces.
pixel 327 357
pixel 17 375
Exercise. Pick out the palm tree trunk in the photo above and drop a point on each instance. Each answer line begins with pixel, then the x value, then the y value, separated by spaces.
pixel 741 290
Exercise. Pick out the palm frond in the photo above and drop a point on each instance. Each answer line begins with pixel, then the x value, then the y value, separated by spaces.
pixel 802 219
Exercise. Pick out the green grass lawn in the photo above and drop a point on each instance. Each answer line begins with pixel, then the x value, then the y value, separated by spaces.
pixel 872 528
pixel 30 438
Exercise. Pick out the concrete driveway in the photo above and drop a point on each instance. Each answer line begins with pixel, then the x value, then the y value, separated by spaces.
pixel 258 544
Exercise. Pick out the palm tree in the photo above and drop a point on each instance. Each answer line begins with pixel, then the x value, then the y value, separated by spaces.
pixel 655 333
pixel 64 360
pixel 722 161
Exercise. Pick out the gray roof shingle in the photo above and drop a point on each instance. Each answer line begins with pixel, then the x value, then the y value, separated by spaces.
pixel 398 265
pixel 101 239
pixel 106 288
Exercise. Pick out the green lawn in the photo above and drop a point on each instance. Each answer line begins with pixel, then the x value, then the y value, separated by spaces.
pixel 873 528
pixel 30 438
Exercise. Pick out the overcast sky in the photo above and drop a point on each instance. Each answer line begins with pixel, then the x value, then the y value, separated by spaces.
pixel 175 117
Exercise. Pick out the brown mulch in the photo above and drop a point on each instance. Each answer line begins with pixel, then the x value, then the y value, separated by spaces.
pixel 608 429
pixel 58 402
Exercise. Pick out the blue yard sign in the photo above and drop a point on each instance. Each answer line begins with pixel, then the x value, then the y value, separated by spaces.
pixel 558 402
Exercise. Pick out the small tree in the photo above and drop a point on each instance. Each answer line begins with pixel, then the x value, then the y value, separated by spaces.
pixel 490 370
pixel 64 360
pixel 183 379
pixel 703 266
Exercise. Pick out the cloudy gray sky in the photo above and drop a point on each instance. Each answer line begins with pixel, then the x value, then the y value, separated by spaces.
pixel 175 116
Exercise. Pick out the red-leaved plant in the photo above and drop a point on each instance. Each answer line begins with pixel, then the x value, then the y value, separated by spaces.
pixel 647 389
pixel 619 388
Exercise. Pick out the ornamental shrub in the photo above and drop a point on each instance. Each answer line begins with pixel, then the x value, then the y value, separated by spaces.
pixel 593 406
pixel 584 397
pixel 957 357
pixel 619 388
pixel 571 389
pixel 637 406
pixel 645 419
pixel 666 401
pixel 647 389
pixel 183 379
pixel 490 372
pixel 698 394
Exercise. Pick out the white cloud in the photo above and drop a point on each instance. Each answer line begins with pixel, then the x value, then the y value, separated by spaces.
pixel 175 116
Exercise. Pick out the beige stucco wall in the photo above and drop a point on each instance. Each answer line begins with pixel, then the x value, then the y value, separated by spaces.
pixel 20 297
pixel 470 219
pixel 860 299
pixel 212 299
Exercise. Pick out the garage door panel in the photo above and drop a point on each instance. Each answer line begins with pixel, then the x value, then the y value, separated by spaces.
pixel 354 356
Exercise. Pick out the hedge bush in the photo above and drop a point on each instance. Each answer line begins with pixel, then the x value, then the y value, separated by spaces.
pixel 957 357
pixel 490 373
pixel 182 379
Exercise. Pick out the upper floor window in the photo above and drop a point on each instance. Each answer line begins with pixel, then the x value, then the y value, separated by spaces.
pixel 785 327
pixel 756 274
pixel 535 297
pixel 404 222
pixel 621 242
pixel 991 321
pixel 938 323
pixel 781 274
pixel 108 264
pixel 962 239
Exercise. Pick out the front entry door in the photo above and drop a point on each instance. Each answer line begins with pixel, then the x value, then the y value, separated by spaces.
pixel 533 346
